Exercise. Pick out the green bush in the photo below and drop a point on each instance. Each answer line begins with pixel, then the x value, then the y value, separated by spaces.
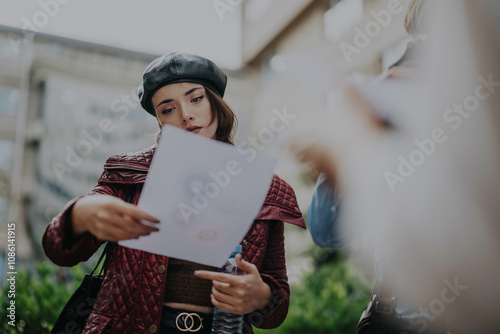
pixel 38 298
pixel 329 300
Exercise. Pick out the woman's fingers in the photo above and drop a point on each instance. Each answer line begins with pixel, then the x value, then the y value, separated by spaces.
pixel 229 279
pixel 116 230
pixel 238 293
pixel 108 228
pixel 221 286
pixel 221 305
pixel 132 211
pixel 129 218
pixel 115 235
pixel 104 231
pixel 134 226
pixel 222 296
pixel 110 218
pixel 123 227
pixel 247 267
pixel 230 303
pixel 235 301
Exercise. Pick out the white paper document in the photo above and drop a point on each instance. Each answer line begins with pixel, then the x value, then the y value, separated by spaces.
pixel 206 195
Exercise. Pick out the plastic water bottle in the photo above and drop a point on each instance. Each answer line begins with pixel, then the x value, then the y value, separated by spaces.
pixel 226 322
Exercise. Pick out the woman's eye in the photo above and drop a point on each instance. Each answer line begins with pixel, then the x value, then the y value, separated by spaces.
pixel 199 98
pixel 166 111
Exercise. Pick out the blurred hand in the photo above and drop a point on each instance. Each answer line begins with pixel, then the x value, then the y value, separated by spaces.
pixel 110 218
pixel 240 294
pixel 318 154
pixel 367 117
pixel 400 72
pixel 349 134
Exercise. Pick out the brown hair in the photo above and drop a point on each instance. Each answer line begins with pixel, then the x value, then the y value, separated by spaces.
pixel 416 17
pixel 227 122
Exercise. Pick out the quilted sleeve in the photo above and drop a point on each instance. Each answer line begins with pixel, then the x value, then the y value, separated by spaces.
pixel 59 244
pixel 281 204
pixel 273 272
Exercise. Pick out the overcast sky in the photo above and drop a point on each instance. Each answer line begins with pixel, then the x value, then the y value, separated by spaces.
pixel 153 26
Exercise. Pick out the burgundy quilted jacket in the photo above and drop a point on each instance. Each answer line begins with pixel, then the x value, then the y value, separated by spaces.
pixel 131 296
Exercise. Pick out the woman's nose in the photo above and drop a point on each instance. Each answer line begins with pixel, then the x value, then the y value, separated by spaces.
pixel 186 115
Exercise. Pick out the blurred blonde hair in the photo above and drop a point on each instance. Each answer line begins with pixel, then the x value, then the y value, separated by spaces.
pixel 416 17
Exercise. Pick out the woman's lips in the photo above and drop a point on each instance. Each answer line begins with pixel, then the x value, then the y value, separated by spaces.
pixel 194 129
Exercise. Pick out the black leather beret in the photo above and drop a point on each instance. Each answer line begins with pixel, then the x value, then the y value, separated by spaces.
pixel 179 67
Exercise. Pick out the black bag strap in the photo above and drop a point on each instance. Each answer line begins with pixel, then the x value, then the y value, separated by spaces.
pixel 111 245
pixel 385 303
pixel 105 253
pixel 382 290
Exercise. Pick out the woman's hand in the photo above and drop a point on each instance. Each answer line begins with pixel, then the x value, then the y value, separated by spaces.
pixel 110 218
pixel 241 294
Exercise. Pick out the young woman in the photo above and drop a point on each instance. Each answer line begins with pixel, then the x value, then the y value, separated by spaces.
pixel 144 292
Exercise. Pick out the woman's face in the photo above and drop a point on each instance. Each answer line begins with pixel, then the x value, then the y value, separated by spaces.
pixel 186 106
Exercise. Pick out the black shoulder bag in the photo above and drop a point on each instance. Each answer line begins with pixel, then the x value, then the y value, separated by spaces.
pixel 77 310
pixel 379 317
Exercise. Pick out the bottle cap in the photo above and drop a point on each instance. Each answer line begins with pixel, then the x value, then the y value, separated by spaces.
pixel 237 250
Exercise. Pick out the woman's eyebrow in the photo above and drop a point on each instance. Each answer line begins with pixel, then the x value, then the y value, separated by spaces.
pixel 191 90
pixel 163 102
pixel 185 94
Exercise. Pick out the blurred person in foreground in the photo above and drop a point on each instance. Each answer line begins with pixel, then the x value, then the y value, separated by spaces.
pixel 438 225
pixel 326 207
pixel 147 293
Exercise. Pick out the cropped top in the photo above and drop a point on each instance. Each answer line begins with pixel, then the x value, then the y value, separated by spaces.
pixel 182 286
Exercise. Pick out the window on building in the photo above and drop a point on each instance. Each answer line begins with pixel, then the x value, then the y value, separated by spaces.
pixel 9 99
pixel 3 209
pixel 6 154
pixel 341 18
pixel 41 104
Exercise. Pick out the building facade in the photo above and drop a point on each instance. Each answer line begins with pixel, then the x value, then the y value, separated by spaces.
pixel 65 105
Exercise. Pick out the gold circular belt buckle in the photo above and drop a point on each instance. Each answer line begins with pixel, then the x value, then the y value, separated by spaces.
pixel 187 322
